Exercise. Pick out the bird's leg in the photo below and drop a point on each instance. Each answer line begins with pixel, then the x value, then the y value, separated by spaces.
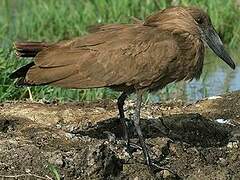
pixel 120 104
pixel 151 165
pixel 136 121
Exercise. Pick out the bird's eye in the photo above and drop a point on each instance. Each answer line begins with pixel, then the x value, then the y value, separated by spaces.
pixel 199 20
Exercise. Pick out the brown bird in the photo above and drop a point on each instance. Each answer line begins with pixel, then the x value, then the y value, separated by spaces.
pixel 132 58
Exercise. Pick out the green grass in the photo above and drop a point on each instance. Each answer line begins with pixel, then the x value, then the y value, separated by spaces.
pixel 54 172
pixel 54 20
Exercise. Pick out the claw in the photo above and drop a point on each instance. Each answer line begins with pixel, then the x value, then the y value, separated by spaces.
pixel 135 146
pixel 131 148
pixel 154 169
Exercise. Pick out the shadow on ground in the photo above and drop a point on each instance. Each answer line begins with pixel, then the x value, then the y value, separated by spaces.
pixel 188 128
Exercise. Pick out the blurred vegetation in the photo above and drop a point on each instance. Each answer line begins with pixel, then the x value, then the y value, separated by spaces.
pixel 54 20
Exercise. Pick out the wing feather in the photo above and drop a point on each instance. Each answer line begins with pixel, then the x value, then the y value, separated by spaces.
pixel 134 55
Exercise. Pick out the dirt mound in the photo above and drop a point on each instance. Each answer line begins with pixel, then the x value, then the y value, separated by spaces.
pixel 83 141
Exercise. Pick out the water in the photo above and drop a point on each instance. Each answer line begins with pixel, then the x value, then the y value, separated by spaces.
pixel 217 78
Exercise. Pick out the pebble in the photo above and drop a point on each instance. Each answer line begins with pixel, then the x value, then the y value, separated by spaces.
pixel 232 145
pixel 214 97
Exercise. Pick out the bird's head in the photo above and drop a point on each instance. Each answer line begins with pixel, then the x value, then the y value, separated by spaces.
pixel 209 35
pixel 193 21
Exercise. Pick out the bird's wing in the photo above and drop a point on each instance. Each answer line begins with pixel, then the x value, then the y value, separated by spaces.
pixel 119 54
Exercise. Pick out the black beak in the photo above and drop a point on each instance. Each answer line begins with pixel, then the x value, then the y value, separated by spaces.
pixel 214 42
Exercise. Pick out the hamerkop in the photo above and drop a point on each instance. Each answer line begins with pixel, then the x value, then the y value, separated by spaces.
pixel 132 58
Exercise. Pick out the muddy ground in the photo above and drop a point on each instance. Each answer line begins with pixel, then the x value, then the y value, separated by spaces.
pixel 83 141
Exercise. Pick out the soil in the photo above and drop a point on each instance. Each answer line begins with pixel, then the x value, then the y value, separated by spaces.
pixel 84 140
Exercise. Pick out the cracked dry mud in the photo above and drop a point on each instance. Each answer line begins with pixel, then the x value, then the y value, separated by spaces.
pixel 83 141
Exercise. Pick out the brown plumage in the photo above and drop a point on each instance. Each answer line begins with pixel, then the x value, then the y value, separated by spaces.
pixel 144 56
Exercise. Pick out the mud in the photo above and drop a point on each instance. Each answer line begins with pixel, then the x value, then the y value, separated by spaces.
pixel 84 140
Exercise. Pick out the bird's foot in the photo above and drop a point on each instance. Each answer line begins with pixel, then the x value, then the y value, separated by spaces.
pixel 155 169
pixel 132 147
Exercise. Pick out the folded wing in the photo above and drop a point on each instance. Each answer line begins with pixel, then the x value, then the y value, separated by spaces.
pixel 130 55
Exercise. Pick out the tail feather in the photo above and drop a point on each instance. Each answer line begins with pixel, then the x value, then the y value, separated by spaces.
pixel 29 49
pixel 26 49
pixel 22 71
